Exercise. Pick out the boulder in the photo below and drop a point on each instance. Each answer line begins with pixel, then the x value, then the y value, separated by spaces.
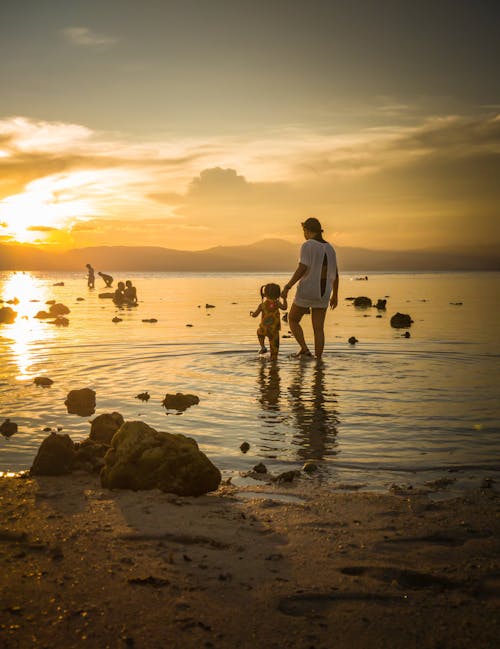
pixel 179 401
pixel 81 402
pixel 104 426
pixel 362 301
pixel 142 458
pixel 401 320
pixel 55 456
pixel 7 315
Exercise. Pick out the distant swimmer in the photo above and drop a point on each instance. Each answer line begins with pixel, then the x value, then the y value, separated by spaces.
pixel 130 293
pixel 90 276
pixel 108 280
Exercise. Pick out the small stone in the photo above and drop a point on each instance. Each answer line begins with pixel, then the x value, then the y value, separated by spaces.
pixel 143 396
pixel 245 447
pixel 43 381
pixel 353 340
pixel 8 428
pixel 362 302
pixel 7 315
pixel 179 401
pixel 117 319
pixel 310 467
pixel 260 468
pixel 287 476
pixel 401 320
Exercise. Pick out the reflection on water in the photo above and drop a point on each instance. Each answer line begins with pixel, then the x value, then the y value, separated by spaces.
pixel 314 411
pixel 20 336
pixel 314 422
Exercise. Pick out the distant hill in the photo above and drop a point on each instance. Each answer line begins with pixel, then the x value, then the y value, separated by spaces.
pixel 266 255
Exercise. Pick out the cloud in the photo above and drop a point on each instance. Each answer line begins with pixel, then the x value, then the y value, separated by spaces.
pixel 41 228
pixel 83 36
pixel 376 186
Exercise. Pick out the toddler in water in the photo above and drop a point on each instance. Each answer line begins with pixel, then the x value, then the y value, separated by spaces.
pixel 270 323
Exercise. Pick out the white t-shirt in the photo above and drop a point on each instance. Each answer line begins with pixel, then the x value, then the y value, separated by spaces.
pixel 308 292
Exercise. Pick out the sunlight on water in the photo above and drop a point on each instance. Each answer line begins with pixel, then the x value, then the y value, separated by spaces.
pixel 29 296
pixel 384 408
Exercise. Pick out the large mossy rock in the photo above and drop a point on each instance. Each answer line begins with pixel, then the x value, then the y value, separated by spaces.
pixel 55 456
pixel 142 458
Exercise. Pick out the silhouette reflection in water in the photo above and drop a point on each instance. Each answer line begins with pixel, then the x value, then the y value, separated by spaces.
pixel 304 418
pixel 315 414
pixel 269 383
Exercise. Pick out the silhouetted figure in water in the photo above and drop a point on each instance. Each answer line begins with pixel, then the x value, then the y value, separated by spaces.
pixel 130 292
pixel 318 283
pixel 90 276
pixel 270 323
pixel 119 296
pixel 108 280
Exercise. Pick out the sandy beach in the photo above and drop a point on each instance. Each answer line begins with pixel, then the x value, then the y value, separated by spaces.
pixel 302 567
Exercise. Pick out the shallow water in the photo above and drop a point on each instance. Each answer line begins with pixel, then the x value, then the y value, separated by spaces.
pixel 388 409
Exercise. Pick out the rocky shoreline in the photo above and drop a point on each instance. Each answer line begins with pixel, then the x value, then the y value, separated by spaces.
pixel 300 567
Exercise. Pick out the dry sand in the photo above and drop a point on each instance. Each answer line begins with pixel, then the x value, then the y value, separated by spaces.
pixel 86 567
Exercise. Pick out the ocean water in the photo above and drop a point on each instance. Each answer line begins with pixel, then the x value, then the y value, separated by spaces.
pixel 389 409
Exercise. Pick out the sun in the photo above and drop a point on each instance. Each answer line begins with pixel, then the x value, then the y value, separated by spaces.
pixel 22 212
pixel 43 210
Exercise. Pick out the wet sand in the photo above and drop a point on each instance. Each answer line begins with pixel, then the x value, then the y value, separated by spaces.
pixel 86 567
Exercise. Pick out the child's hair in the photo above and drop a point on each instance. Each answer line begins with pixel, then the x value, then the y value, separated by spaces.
pixel 271 291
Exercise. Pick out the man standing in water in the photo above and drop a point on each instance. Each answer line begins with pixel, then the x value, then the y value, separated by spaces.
pixel 90 276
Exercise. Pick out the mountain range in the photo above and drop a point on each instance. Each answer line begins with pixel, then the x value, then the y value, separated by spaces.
pixel 261 256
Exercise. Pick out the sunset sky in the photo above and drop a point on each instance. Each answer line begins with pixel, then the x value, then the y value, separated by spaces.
pixel 194 123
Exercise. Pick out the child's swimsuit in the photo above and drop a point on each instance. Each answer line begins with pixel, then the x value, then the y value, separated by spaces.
pixel 270 324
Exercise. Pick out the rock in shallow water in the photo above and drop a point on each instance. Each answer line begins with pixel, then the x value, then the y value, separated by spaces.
pixel 8 428
pixel 81 402
pixel 401 320
pixel 7 315
pixel 141 457
pixel 180 401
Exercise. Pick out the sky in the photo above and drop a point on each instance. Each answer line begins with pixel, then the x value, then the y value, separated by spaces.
pixel 196 123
